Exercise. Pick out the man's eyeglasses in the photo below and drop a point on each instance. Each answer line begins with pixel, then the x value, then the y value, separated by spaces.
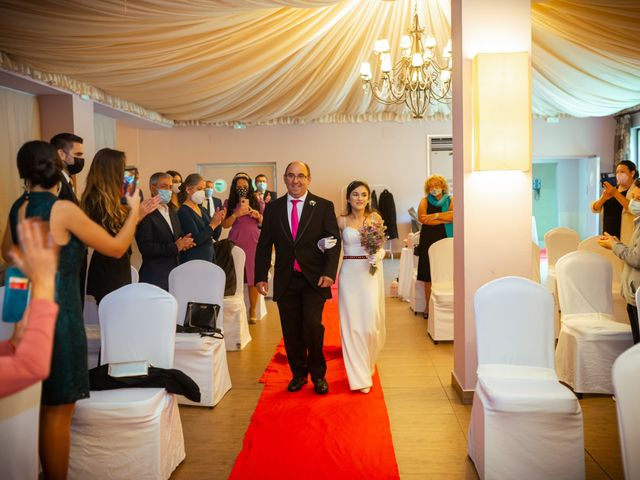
pixel 292 176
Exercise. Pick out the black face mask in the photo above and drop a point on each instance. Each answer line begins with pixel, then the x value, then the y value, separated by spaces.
pixel 242 192
pixel 77 166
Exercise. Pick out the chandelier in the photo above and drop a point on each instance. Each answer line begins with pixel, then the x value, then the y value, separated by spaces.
pixel 417 79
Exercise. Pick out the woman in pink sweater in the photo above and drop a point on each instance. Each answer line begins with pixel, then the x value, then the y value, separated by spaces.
pixel 26 357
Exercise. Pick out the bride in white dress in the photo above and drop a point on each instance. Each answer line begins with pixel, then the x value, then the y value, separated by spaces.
pixel 360 294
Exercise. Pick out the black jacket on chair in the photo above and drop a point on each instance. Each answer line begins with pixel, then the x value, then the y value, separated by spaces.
pixel 157 245
pixel 387 209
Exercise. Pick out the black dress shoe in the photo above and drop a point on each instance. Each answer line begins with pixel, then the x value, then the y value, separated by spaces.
pixel 320 386
pixel 296 384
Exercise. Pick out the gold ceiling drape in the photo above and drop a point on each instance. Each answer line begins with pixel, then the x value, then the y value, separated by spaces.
pixel 285 61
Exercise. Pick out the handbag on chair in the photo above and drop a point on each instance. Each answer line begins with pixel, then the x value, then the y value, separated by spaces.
pixel 201 318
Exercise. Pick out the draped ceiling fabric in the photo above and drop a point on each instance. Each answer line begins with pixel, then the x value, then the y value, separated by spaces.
pixel 290 61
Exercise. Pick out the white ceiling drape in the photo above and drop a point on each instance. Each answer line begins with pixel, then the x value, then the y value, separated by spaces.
pixel 285 61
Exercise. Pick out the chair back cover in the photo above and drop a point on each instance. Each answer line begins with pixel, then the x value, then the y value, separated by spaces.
pixel 626 371
pixel 441 260
pixel 514 323
pixel 535 262
pixel 239 259
pixel 590 244
pixel 584 283
pixel 197 281
pixel 135 276
pixel 138 322
pixel 560 241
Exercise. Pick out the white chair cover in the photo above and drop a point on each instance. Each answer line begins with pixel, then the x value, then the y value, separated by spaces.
pixel 135 276
pixel 558 242
pixel 132 432
pixel 417 300
pixel 204 359
pixel 236 325
pixel 405 273
pixel 524 423
pixel 626 372
pixel 535 262
pixel 19 426
pixel 590 244
pixel 590 339
pixel 440 323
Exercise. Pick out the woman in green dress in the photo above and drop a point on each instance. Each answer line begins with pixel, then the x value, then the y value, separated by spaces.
pixel 39 166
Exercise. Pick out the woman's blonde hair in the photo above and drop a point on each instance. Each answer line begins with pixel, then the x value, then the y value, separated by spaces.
pixel 101 197
pixel 437 178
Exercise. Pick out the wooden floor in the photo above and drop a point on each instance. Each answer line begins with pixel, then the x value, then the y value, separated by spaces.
pixel 428 423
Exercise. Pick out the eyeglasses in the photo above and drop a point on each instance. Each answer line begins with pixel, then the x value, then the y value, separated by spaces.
pixel 292 176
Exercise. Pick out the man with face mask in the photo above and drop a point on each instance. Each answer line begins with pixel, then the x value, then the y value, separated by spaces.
pixel 159 235
pixel 211 204
pixel 261 188
pixel 71 152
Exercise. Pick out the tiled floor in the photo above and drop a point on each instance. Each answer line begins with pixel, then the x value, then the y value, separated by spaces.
pixel 428 422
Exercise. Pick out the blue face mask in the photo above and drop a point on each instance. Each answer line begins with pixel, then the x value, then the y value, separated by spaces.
pixel 261 186
pixel 208 192
pixel 165 196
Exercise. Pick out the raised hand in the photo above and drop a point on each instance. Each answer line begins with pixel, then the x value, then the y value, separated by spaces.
pixel 218 217
pixel 133 200
pixel 148 206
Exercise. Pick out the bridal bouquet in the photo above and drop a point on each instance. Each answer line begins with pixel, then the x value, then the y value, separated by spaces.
pixel 372 238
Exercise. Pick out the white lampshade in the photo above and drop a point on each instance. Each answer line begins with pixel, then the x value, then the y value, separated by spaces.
pixel 365 70
pixel 429 41
pixel 417 61
pixel 381 46
pixel 385 63
pixel 405 42
pixel 445 76
pixel 428 55
pixel 502 111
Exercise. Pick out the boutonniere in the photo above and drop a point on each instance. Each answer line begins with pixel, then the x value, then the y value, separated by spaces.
pixel 312 203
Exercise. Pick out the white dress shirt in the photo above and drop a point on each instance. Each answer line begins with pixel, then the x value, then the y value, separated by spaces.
pixel 300 207
pixel 164 210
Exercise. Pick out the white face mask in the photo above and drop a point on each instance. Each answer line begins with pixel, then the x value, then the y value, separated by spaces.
pixel 435 191
pixel 197 197
pixel 175 188
pixel 622 178
pixel 634 207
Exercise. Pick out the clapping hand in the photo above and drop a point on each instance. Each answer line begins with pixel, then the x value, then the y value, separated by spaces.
pixel 218 217
pixel 327 243
pixel 607 241
pixel 608 190
pixel 185 243
pixel 148 206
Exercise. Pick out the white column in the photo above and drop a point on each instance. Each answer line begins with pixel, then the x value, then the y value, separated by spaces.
pixel 492 225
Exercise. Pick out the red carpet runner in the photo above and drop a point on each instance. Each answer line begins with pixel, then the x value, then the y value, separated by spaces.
pixel 341 435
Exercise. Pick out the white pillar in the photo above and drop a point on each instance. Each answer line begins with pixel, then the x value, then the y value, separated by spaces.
pixel 492 224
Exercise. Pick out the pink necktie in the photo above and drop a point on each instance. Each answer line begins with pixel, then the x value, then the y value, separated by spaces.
pixel 295 221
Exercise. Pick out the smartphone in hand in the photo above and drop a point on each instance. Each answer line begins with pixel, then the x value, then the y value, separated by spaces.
pixel 129 183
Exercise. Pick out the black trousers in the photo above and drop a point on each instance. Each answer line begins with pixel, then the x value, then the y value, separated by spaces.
pixel 300 310
pixel 632 311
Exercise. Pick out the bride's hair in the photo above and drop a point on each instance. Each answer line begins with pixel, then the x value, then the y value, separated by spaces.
pixel 351 187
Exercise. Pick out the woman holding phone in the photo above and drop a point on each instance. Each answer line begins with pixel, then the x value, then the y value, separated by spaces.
pixel 244 217
pixel 617 221
pixel 104 202
pixel 71 229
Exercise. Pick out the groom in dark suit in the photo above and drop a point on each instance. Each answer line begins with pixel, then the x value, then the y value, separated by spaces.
pixel 298 224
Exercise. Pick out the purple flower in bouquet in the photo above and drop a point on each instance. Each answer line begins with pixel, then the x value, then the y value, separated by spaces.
pixel 372 237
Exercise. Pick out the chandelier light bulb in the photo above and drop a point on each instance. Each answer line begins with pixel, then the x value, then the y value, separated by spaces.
pixel 365 71
pixel 445 76
pixel 381 46
pixel 416 61
pixel 430 41
pixel 385 63
pixel 405 42
pixel 427 56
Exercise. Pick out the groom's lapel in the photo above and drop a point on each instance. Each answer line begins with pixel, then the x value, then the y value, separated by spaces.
pixel 307 213
pixel 284 221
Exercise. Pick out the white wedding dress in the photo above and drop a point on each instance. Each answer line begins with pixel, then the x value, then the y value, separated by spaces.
pixel 361 303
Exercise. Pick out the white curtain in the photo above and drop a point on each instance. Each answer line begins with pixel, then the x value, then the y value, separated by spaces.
pixel 105 131
pixel 19 123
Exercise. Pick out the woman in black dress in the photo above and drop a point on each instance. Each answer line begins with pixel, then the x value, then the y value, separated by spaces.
pixel 196 220
pixel 101 201
pixel 435 212
pixel 614 203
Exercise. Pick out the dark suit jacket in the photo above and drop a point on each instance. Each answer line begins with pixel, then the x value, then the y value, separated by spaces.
pixel 318 221
pixel 157 245
pixel 387 209
pixel 217 203
pixel 66 192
